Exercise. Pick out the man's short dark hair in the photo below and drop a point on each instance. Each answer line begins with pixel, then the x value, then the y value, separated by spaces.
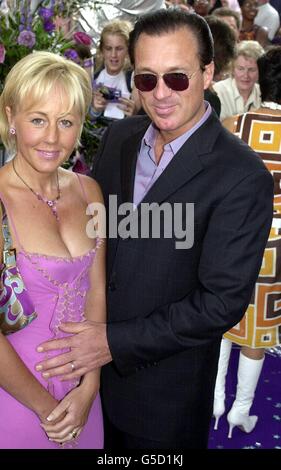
pixel 166 21
pixel 269 65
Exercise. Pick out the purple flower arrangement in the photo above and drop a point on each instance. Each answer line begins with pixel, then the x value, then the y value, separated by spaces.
pixel 71 53
pixel 82 38
pixel 23 29
pixel 27 38
pixel 47 15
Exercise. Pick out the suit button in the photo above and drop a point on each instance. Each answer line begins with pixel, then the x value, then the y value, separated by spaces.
pixel 112 286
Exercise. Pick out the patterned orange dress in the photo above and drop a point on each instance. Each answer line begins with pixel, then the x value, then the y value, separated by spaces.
pixel 261 325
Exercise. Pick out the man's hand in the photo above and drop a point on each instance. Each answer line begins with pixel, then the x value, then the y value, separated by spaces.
pixel 88 350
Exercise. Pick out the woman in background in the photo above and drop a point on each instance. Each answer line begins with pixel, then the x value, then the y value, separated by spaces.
pixel 249 30
pixel 241 92
pixel 260 327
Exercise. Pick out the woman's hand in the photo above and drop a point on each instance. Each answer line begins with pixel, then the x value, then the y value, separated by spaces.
pixel 50 403
pixel 127 105
pixel 75 406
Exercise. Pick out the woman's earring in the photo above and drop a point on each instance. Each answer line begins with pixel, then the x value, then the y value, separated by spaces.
pixel 12 130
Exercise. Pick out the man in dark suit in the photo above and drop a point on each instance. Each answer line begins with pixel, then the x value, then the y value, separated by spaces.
pixel 171 299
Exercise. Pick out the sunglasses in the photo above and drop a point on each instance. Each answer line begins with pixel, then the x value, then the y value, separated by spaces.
pixel 176 81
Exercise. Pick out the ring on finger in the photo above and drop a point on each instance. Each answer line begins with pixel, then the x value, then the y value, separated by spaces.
pixel 72 366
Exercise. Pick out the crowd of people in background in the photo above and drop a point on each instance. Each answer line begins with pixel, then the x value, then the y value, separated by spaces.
pixel 236 76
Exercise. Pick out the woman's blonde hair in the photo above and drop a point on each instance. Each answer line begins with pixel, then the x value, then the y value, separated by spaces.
pixel 117 27
pixel 33 78
pixel 249 49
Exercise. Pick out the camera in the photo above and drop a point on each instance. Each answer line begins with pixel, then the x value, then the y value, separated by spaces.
pixel 109 93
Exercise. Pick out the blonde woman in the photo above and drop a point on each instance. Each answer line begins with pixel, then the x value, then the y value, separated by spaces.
pixel 240 92
pixel 42 109
pixel 260 327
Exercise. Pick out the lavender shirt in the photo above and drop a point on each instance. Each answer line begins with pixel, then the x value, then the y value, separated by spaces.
pixel 147 170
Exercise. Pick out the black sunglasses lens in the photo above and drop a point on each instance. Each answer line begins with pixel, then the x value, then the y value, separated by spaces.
pixel 145 81
pixel 176 81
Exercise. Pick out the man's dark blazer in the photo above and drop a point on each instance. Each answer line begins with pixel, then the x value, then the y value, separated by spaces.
pixel 168 307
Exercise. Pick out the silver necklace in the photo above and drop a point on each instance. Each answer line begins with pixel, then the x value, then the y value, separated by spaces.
pixel 270 105
pixel 51 203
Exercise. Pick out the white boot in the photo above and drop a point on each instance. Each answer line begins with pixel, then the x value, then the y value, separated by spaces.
pixel 248 375
pixel 219 397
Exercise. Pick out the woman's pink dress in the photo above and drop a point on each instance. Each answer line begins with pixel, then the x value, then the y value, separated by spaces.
pixel 58 288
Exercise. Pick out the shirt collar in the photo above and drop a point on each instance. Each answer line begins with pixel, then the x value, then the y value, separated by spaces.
pixel 152 131
pixel 236 93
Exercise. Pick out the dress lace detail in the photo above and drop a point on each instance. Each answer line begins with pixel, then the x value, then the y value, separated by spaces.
pixel 66 259
pixel 69 296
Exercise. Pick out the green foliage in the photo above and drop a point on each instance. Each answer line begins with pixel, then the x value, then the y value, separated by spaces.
pixel 90 140
pixel 9 32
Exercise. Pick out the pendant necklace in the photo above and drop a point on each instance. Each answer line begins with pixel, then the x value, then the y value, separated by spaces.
pixel 51 203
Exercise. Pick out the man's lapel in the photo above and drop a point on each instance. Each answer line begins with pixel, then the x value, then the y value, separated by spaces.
pixel 185 165
pixel 129 154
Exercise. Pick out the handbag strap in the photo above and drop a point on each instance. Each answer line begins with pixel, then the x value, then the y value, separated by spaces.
pixel 9 254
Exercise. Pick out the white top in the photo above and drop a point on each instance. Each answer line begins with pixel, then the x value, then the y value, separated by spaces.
pixel 231 101
pixel 114 81
pixel 234 5
pixel 269 18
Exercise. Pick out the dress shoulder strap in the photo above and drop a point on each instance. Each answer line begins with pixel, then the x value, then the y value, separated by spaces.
pixel 7 238
pixel 82 188
pixel 5 226
pixel 99 241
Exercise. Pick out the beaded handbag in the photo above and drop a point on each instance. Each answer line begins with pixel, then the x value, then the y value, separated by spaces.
pixel 16 308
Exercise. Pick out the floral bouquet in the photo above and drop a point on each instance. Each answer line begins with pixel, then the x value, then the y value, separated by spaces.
pixel 23 29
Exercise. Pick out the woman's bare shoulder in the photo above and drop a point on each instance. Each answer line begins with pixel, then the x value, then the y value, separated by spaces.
pixel 3 171
pixel 4 180
pixel 90 185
